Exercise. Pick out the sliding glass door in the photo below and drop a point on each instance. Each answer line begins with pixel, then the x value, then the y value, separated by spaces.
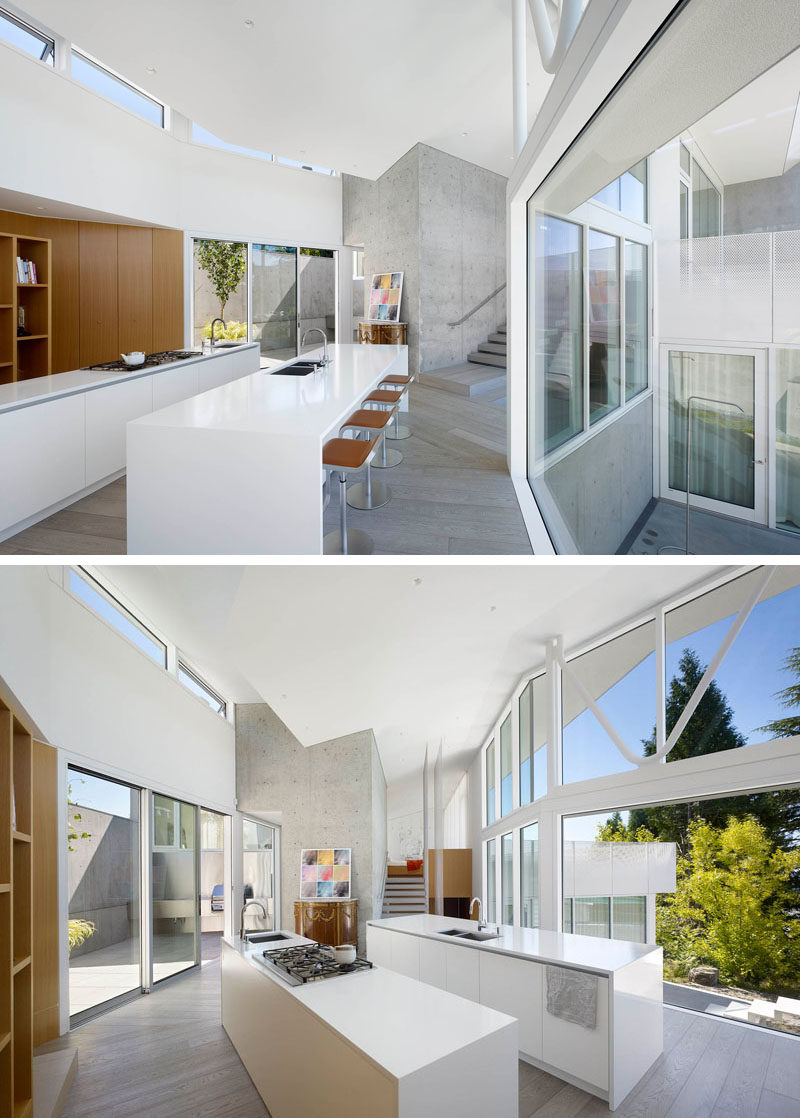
pixel 175 887
pixel 318 280
pixel 103 873
pixel 274 300
pixel 259 850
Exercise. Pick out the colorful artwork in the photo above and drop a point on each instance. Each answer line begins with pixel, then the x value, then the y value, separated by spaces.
pixel 325 873
pixel 385 297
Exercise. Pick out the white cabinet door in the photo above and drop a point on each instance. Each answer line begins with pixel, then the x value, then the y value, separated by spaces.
pixel 173 386
pixel 433 963
pixel 107 412
pixel 405 954
pixel 379 947
pixel 245 361
pixel 463 971
pixel 514 986
pixel 574 1049
pixel 41 457
pixel 214 372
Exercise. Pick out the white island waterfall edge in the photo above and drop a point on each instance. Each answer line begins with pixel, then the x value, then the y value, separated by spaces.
pixel 238 471
pixel 372 1044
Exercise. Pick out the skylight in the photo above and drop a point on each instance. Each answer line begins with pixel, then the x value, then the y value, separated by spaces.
pixel 19 34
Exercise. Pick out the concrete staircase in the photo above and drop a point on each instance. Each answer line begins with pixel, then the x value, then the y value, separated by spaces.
pixel 493 351
pixel 404 895
pixel 483 374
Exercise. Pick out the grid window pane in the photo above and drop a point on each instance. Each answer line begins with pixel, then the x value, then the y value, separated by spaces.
pixel 604 320
pixel 491 881
pixel 787 431
pixel 592 916
pixel 116 616
pixel 505 767
pixel 490 803
pixel 706 205
pixel 629 919
pixel 532 734
pixel 686 159
pixel 117 90
pixel 525 728
pixel 529 875
pixel 507 878
pixel 26 38
pixel 202 690
pixel 636 308
pixel 567 914
pixel 633 192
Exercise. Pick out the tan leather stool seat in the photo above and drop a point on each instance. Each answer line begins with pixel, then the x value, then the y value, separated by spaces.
pixel 368 418
pixel 383 396
pixel 399 379
pixel 346 454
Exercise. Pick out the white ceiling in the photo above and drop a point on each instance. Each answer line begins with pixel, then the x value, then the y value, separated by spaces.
pixel 748 136
pixel 419 653
pixel 351 85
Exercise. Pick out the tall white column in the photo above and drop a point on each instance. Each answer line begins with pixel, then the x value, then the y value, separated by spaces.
pixel 519 72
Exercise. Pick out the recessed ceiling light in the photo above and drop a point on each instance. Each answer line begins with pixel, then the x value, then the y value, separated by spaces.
pixel 249 23
pixel 417 581
pixel 150 69
pixel 465 133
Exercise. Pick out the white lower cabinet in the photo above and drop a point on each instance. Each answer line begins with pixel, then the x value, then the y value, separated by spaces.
pixel 405 955
pixel 581 1052
pixel 433 963
pixel 514 986
pixel 179 385
pixel 379 946
pixel 463 971
pixel 107 413
pixel 41 457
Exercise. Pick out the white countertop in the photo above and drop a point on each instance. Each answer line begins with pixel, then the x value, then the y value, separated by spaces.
pixel 586 953
pixel 263 403
pixel 38 389
pixel 398 1023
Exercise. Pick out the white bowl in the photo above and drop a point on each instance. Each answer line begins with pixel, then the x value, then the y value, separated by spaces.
pixel 345 954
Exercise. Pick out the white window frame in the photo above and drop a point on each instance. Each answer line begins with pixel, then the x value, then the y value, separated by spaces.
pixel 165 125
pixel 184 666
pixel 27 25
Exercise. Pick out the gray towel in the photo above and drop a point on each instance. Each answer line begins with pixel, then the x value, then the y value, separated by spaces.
pixel 572 996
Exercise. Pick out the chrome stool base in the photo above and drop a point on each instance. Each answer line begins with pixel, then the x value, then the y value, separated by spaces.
pixel 401 432
pixel 358 543
pixel 393 458
pixel 359 498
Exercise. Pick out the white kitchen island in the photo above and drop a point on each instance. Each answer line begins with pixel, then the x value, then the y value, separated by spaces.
pixel 511 973
pixel 238 471
pixel 371 1044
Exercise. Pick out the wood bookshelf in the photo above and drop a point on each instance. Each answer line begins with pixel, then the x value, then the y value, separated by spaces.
pixel 16 924
pixel 31 355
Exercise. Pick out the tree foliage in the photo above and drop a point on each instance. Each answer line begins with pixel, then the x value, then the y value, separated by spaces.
pixel 789 698
pixel 225 264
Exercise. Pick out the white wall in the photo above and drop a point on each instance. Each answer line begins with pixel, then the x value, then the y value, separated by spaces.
pixel 60 141
pixel 103 702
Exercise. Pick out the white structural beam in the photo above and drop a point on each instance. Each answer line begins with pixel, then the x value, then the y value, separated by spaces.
pixel 519 73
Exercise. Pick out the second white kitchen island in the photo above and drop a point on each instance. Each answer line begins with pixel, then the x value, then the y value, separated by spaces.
pixel 370 1044
pixel 238 471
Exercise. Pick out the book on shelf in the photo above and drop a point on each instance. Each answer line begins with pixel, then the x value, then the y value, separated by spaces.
pixel 26 271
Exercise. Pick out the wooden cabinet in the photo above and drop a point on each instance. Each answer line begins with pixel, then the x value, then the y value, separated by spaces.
pixel 331 922
pixel 383 333
pixel 99 306
pixel 28 355
pixel 135 277
pixel 16 989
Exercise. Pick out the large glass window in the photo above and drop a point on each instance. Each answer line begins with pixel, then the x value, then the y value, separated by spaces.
pixel 103 874
pixel 259 849
pixel 490 782
pixel 787 431
pixel 83 586
pixel 174 887
pixel 116 89
pixel 628 919
pixel 506 779
pixel 317 277
pixel 706 205
pixel 627 194
pixel 220 290
pixel 27 38
pixel 620 676
pixel 637 306
pixel 195 684
pixel 604 325
pixel 212 882
pixel 491 881
pixel 275 300
pixel 558 288
pixel 529 875
pixel 533 741
pixel 507 878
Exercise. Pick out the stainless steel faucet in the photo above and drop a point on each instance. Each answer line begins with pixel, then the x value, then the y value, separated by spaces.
pixel 318 329
pixel 213 324
pixel 245 906
pixel 481 924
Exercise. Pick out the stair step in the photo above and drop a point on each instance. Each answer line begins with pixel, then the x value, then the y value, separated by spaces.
pixel 497 359
pixel 501 329
pixel 492 347
pixel 464 380
pixel 500 338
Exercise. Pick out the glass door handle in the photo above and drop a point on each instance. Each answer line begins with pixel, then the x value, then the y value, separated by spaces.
pixel 760 461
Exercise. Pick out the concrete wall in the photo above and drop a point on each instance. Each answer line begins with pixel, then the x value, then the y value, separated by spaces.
pixel 603 486
pixel 763 205
pixel 330 794
pixel 441 221
pixel 103 877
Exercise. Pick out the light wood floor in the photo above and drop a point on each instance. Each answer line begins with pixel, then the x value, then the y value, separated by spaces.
pixel 167 1056
pixel 451 494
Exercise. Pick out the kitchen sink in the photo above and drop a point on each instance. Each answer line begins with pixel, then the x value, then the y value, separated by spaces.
pixel 477 937
pixel 298 369
pixel 228 345
pixel 452 932
pixel 265 937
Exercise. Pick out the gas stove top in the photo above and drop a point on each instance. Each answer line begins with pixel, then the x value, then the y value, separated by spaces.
pixel 308 963
pixel 150 361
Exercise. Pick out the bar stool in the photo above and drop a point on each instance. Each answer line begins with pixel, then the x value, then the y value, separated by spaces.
pixel 369 494
pixel 401 383
pixel 345 456
pixel 386 401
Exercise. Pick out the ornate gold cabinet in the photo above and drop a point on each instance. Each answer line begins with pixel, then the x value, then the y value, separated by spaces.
pixel 333 922
pixel 383 333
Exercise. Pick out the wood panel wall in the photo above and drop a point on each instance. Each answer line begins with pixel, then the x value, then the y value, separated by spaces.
pixel 115 287
pixel 45 894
